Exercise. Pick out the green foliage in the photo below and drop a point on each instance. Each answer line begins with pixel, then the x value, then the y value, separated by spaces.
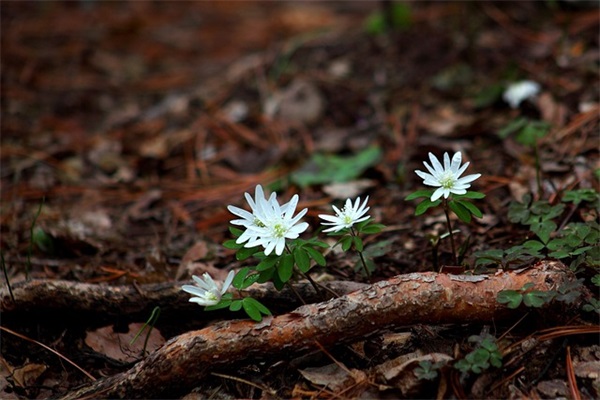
pixel 463 209
pixel 527 132
pixel 327 168
pixel 488 96
pixel 485 354
pixel 400 18
pixel 593 305
pixel 43 241
pixel 427 370
pixel 530 298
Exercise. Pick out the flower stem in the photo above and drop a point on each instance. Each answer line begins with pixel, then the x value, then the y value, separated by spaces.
pixel 362 257
pixel 450 231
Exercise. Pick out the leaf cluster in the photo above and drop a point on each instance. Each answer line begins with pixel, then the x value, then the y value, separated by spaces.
pixel 459 204
pixel 526 131
pixel 485 354
pixel 567 293
pixel 428 370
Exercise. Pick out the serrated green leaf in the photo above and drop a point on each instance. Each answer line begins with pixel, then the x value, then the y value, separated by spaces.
pixel 543 230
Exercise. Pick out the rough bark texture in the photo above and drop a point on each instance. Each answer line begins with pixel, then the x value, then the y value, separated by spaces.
pixel 55 296
pixel 428 298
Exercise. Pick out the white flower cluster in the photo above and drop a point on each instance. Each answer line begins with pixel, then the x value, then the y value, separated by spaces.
pixel 269 224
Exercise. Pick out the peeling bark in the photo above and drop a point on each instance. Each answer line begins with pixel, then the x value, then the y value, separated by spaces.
pixel 427 298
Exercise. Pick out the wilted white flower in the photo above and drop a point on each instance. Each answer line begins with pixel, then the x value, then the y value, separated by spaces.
pixel 517 92
pixel 349 215
pixel 447 178
pixel 206 290
pixel 275 224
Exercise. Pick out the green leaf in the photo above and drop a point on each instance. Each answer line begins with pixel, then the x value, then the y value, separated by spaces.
pixel 259 306
pixel 535 298
pixel 240 276
pixel 267 263
pixel 371 228
pixel 533 245
pixel 236 305
pixel 519 212
pixel 301 259
pixel 251 310
pixel 426 205
pixel 231 244
pixel 419 194
pixel 461 212
pixel 471 207
pixel 531 132
pixel 358 243
pixel 327 168
pixel 470 195
pixel 543 230
pixel 346 242
pixel 245 253
pixel 511 298
pixel 236 232
pixel 285 269
pixel 579 195
pixel 512 127
pixel 315 255
pixel 596 280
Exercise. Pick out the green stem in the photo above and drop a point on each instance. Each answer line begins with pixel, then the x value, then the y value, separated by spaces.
pixel 360 254
pixel 450 231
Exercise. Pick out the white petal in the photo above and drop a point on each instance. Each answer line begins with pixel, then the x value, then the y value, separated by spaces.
pixel 227 282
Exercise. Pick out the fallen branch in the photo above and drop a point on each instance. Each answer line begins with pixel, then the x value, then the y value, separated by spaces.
pixel 428 298
pixel 57 296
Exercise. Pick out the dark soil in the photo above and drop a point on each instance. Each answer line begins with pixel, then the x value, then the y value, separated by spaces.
pixel 129 126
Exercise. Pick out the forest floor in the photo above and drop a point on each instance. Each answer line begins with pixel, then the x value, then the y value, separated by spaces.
pixel 127 127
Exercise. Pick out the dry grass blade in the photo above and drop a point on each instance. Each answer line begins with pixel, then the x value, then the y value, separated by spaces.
pixel 575 395
pixel 49 349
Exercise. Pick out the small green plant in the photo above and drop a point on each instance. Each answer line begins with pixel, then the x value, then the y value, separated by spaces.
pixel 427 370
pixel 343 224
pixel 485 354
pixel 451 192
pixel 530 298
pixel 271 236
pixel 575 242
pixel 149 324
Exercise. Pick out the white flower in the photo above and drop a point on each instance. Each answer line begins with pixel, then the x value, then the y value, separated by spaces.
pixel 206 290
pixel 517 92
pixel 447 178
pixel 349 215
pixel 275 224
pixel 249 219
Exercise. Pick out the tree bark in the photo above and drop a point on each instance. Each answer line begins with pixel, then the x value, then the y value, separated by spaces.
pixel 57 296
pixel 417 298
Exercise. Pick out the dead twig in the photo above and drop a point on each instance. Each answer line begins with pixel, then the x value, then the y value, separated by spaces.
pixel 432 298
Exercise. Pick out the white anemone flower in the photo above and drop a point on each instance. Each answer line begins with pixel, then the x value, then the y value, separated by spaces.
pixel 276 224
pixel 249 219
pixel 349 215
pixel 518 92
pixel 206 291
pixel 447 177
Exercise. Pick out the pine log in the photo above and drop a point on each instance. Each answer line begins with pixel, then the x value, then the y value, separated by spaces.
pixel 416 298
